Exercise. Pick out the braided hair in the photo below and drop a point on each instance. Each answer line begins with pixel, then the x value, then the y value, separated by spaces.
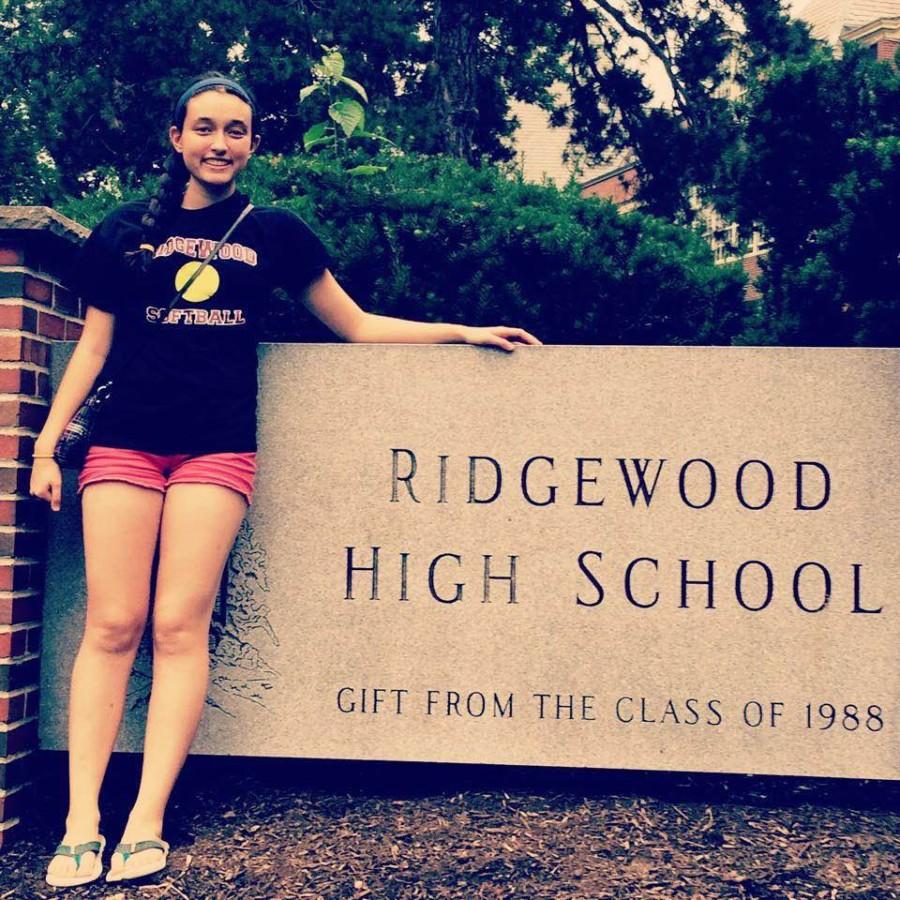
pixel 166 200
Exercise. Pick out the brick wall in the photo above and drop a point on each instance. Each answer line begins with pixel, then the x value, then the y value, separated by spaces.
pixel 886 49
pixel 619 186
pixel 753 270
pixel 36 250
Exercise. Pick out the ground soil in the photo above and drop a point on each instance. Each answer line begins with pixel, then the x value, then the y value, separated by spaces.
pixel 311 829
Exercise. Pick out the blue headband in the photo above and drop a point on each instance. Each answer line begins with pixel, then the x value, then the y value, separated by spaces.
pixel 210 82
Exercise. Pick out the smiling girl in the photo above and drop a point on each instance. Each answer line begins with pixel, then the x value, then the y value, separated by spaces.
pixel 173 454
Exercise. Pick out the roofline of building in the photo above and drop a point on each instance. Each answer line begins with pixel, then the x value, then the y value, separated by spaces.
pixel 612 173
pixel 888 24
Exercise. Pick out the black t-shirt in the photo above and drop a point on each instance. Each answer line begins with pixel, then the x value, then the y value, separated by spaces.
pixel 189 380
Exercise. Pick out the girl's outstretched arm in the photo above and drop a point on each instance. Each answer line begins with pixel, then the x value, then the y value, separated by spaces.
pixel 330 303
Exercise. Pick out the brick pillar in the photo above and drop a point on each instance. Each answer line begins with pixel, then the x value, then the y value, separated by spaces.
pixel 37 247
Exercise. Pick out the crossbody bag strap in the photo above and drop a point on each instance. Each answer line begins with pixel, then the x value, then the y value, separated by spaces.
pixel 244 212
pixel 180 293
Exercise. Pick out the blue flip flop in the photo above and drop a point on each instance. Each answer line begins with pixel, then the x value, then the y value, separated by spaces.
pixel 129 871
pixel 76 852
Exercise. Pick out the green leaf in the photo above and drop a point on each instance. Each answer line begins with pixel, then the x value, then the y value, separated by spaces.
pixel 325 141
pixel 333 63
pixel 366 170
pixel 355 85
pixel 309 89
pixel 320 133
pixel 377 137
pixel 348 114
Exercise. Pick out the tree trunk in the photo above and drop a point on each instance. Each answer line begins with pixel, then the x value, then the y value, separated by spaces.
pixel 457 25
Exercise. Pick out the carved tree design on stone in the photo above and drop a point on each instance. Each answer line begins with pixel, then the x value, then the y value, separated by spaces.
pixel 238 668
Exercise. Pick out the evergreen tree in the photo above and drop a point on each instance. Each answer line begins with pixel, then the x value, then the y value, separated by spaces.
pixel 817 167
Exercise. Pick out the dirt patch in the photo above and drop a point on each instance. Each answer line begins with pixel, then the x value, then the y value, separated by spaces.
pixel 311 829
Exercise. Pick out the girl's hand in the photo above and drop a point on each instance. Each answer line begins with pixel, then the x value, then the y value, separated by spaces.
pixel 46 482
pixel 498 336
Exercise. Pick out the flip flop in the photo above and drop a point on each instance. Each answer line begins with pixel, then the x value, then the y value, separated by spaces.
pixel 128 872
pixel 76 851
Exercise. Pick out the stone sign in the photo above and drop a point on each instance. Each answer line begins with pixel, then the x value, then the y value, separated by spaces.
pixel 670 558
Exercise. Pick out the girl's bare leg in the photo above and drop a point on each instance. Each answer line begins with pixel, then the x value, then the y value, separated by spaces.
pixel 199 525
pixel 121 523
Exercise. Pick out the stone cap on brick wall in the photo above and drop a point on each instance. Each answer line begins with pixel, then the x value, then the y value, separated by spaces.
pixel 40 223
pixel 42 218
pixel 48 238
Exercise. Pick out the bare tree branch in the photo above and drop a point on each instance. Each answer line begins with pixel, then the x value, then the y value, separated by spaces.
pixel 662 53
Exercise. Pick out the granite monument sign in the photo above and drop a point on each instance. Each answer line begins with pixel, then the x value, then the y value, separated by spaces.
pixel 678 558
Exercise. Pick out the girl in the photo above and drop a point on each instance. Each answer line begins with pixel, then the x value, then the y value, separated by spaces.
pixel 173 454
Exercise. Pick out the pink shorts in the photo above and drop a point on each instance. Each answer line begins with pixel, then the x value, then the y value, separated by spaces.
pixel 152 470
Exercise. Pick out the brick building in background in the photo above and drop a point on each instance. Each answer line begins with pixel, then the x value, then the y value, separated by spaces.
pixel 37 246
pixel 873 23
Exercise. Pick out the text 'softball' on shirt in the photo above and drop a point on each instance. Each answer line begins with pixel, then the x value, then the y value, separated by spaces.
pixel 189 383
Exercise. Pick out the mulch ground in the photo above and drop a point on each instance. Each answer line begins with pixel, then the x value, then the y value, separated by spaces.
pixel 312 829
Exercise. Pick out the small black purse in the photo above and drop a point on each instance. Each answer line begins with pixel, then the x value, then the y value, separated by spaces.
pixel 75 440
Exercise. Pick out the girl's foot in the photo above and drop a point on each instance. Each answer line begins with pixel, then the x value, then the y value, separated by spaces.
pixel 76 861
pixel 142 851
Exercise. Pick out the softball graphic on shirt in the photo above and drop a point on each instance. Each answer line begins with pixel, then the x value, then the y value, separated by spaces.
pixel 206 284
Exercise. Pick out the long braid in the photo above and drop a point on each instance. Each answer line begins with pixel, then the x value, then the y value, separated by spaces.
pixel 164 202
